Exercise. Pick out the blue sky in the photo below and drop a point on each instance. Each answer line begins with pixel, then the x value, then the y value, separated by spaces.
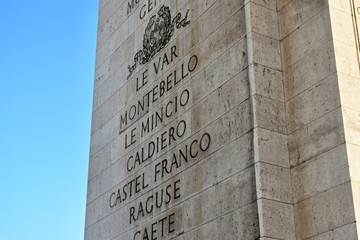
pixel 47 58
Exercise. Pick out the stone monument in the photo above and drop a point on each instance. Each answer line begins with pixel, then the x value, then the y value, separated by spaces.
pixel 225 119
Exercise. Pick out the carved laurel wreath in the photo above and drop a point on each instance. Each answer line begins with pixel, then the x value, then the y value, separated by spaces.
pixel 157 35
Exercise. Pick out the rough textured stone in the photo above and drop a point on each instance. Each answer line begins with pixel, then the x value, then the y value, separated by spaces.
pixel 324 212
pixel 313 103
pixel 269 114
pixel 305 40
pixel 273 183
pixel 309 71
pixel 347 232
pixel 324 172
pixel 271 147
pixel 276 219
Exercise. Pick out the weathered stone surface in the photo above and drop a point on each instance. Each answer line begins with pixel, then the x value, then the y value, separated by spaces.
pixel 324 212
pixel 305 40
pixel 297 13
pixel 266 82
pixel 312 104
pixel 263 20
pixel 269 114
pixel 348 232
pixel 317 175
pixel 270 49
pixel 273 183
pixel 241 223
pixel 309 71
pixel 276 219
pixel 271 147
pixel 316 138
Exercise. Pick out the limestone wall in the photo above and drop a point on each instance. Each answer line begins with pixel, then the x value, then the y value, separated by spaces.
pixel 225 119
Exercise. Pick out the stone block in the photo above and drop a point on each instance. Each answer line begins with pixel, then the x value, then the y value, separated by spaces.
pixel 346 59
pixel 347 232
pixel 273 183
pixel 102 74
pixel 341 5
pixel 351 125
pixel 349 91
pixel 297 13
pixel 266 82
pixel 262 20
pixel 324 212
pixel 313 103
pixel 118 59
pixel 217 44
pixel 269 48
pixel 269 114
pixel 111 44
pixel 107 10
pixel 271 147
pixel 316 138
pixel 239 224
pixel 276 219
pixel 307 38
pixel 223 198
pixel 309 71
pixel 229 94
pixel 213 18
pixel 99 161
pixel 95 212
pixel 104 135
pixel 112 23
pixel 342 26
pixel 321 173
pixel 218 72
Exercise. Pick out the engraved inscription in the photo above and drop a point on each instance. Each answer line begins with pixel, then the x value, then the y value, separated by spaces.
pixel 159 130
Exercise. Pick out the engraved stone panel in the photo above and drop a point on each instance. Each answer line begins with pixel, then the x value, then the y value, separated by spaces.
pixel 172 123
